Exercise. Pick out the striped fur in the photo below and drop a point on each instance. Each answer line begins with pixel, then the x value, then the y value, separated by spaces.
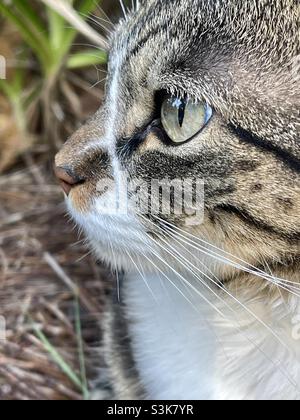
pixel 241 58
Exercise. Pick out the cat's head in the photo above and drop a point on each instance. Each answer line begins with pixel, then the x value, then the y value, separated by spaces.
pixel 197 91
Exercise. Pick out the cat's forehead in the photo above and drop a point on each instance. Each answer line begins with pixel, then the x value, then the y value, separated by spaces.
pixel 154 42
pixel 204 38
pixel 237 56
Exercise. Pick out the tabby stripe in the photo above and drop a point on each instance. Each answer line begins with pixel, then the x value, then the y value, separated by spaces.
pixel 250 219
pixel 142 42
pixel 286 157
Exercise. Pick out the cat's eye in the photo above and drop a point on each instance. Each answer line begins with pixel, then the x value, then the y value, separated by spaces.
pixel 183 119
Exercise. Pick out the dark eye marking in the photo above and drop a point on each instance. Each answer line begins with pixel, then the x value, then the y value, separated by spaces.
pixel 126 146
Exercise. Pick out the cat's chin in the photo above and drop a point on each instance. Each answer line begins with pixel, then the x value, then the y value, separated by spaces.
pixel 118 259
pixel 120 241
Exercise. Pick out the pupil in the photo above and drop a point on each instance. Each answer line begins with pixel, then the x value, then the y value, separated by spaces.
pixel 181 112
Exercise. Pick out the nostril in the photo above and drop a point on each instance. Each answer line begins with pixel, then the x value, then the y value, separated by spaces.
pixel 67 178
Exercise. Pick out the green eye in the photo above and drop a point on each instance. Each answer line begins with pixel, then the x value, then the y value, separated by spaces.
pixel 182 119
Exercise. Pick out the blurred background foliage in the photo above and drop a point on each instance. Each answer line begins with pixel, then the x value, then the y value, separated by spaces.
pixel 51 287
pixel 55 53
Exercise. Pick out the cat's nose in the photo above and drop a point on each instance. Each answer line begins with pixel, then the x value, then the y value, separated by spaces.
pixel 67 178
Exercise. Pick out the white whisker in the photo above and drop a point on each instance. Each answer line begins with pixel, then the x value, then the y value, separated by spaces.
pixel 274 363
pixel 254 316
pixel 171 282
pixel 123 9
pixel 97 23
pixel 142 276
pixel 102 12
pixel 116 271
pixel 254 271
pixel 187 283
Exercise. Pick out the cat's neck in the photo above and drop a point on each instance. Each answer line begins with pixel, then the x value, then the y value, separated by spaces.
pixel 210 341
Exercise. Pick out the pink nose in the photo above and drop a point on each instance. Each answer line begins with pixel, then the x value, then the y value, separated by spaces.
pixel 66 178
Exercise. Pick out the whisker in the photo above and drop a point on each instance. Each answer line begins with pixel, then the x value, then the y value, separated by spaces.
pixel 116 271
pixel 101 18
pixel 269 329
pixel 186 282
pixel 98 82
pixel 256 271
pixel 277 363
pixel 102 11
pixel 96 22
pixel 84 257
pixel 142 276
pixel 171 282
pixel 123 9
pixel 180 244
pixel 228 262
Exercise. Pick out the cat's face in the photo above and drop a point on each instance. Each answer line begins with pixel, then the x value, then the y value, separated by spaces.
pixel 197 90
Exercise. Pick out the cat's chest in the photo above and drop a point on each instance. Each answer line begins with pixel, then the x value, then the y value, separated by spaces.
pixel 184 349
pixel 168 333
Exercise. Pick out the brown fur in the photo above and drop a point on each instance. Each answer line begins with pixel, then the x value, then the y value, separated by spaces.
pixel 237 56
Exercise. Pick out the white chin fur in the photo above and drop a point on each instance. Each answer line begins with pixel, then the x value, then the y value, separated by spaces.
pixel 115 239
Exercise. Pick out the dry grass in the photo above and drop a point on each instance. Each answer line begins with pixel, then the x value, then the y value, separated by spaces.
pixel 41 269
pixel 51 289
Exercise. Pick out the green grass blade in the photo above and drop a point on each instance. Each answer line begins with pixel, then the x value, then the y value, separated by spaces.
pixel 14 92
pixel 86 59
pixel 28 12
pixel 5 87
pixel 26 34
pixel 84 381
pixel 8 90
pixel 69 15
pixel 58 359
pixel 84 9
pixel 57 28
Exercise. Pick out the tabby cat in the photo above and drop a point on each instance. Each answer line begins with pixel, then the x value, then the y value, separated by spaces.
pixel 203 92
